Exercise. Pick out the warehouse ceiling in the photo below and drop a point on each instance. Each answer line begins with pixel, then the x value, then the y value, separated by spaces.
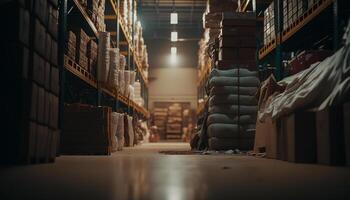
pixel 155 19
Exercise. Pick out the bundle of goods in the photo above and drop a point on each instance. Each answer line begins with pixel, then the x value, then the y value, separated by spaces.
pixel 142 132
pixel 96 10
pixel 129 133
pixel 103 56
pixel 120 131
pixel 129 80
pixel 71 45
pixel 30 131
pixel 137 94
pixel 237 44
pixel 232 109
pixel 88 130
pixel 174 121
pixel 160 117
pixel 113 68
pixel 306 58
pixel 92 52
pixel 82 42
pixel 312 109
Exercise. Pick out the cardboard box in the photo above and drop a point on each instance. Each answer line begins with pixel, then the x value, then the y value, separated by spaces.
pixel 238 41
pixel 330 136
pixel 237 54
pixel 299 130
pixel 230 64
pixel 55 84
pixel 306 58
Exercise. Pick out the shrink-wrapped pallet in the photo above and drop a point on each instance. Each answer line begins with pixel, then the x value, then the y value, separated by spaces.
pixel 113 67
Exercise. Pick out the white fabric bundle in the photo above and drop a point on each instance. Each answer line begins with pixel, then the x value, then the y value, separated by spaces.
pixel 120 131
pixel 131 131
pixel 132 77
pixel 121 82
pixel 114 130
pixel 131 92
pixel 103 56
pixel 113 67
pixel 122 64
pixel 126 82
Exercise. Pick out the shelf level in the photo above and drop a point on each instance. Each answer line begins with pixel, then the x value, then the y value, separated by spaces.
pixel 86 17
pixel 302 21
pixel 84 75
pixel 128 40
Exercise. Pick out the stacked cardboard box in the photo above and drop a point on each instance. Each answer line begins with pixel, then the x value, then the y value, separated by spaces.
pixel 71 45
pixel 82 41
pixel 237 44
pixel 92 51
pixel 87 130
pixel 174 121
pixel 160 116
pixel 96 9
pixel 29 50
pixel 269 24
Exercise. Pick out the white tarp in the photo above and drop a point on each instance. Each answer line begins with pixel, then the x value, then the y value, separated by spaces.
pixel 323 84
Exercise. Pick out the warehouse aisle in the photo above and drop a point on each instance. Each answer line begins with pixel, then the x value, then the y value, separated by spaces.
pixel 143 173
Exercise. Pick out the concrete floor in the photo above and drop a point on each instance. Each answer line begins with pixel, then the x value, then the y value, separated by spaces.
pixel 143 173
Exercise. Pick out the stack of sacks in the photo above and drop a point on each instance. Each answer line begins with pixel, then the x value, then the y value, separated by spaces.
pixel 120 131
pixel 103 56
pixel 128 131
pixel 121 77
pixel 114 128
pixel 126 83
pixel 131 91
pixel 232 109
pixel 113 67
pixel 137 94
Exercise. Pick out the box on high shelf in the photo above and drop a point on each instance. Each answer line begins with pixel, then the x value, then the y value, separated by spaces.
pixel 221 5
pixel 306 58
pixel 237 54
pixel 71 45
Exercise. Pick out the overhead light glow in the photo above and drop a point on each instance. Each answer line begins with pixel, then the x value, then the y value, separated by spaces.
pixel 173 59
pixel 173 18
pixel 173 50
pixel 174 36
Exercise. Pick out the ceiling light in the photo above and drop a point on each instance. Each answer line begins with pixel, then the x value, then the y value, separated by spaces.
pixel 173 18
pixel 174 36
pixel 173 50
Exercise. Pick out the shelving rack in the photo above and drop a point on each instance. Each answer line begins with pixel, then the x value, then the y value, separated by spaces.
pixel 77 82
pixel 318 26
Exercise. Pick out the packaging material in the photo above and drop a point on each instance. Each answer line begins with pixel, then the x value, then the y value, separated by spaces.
pixel 120 131
pixel 87 130
pixel 322 85
pixel 306 58
pixel 113 67
pixel 126 82
pixel 103 56
pixel 121 85
pixel 231 115
pixel 29 46
pixel 92 54
pixel 71 45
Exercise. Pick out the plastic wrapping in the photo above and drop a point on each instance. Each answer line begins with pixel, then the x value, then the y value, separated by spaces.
pixel 114 65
